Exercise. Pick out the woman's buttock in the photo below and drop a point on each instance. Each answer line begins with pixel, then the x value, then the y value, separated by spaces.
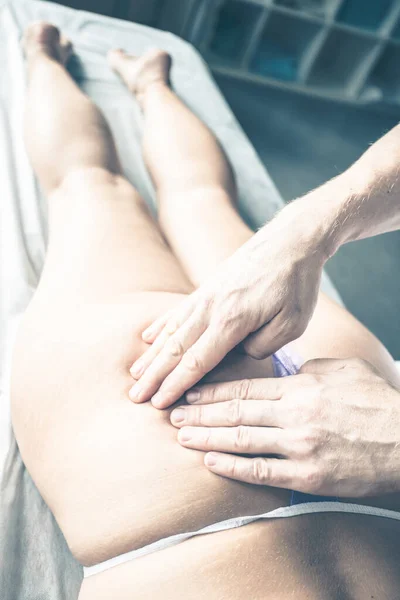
pixel 111 471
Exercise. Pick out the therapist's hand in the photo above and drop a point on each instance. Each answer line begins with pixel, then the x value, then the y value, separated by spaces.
pixel 266 292
pixel 334 429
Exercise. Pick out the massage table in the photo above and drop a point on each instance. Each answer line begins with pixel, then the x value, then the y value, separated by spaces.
pixel 35 563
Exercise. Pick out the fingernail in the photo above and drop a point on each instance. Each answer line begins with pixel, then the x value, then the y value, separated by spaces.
pixel 147 333
pixel 184 435
pixel 193 396
pixel 178 415
pixel 135 392
pixel 157 399
pixel 137 368
pixel 210 459
pixel 171 327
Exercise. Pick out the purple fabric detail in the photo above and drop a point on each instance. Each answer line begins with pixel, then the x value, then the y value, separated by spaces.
pixel 286 362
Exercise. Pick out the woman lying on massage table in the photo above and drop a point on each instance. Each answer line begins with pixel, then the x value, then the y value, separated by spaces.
pixel 110 470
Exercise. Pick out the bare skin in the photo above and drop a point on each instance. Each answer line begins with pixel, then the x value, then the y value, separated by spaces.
pixel 111 470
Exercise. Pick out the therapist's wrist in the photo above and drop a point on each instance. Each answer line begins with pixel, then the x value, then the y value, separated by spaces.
pixel 327 215
pixel 310 223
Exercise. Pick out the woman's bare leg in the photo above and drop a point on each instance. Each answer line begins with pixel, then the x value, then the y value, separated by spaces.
pixel 103 241
pixel 194 181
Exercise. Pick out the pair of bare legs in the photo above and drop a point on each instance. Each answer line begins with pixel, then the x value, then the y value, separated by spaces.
pixel 193 180
pixel 70 143
pixel 104 245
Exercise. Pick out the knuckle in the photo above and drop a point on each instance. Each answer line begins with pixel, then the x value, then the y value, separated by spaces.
pixel 296 408
pixel 204 303
pixel 233 468
pixel 313 480
pixel 234 412
pixel 305 411
pixel 260 470
pixel 197 415
pixel 244 389
pixel 306 442
pixel 207 439
pixel 192 362
pixel 174 347
pixel 309 414
pixel 210 393
pixel 225 319
pixel 241 438
pixel 292 407
pixel 171 325
pixel 309 411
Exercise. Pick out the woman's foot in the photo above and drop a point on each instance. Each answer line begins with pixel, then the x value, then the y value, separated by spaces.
pixel 44 38
pixel 140 73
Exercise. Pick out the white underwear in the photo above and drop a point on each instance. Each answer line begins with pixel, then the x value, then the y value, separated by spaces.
pixel 286 511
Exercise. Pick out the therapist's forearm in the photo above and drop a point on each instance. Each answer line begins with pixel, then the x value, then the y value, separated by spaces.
pixel 361 202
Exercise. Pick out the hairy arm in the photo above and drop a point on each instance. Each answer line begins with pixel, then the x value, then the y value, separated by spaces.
pixel 361 202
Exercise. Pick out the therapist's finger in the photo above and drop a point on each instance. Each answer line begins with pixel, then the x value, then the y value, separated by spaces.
pixel 167 358
pixel 240 440
pixel 150 334
pixel 197 360
pixel 140 366
pixel 230 414
pixel 245 389
pixel 171 325
pixel 273 472
pixel 171 320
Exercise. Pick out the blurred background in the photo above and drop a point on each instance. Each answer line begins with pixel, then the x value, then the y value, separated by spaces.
pixel 313 83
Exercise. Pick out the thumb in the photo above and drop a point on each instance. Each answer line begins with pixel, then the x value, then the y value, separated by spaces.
pixel 323 365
